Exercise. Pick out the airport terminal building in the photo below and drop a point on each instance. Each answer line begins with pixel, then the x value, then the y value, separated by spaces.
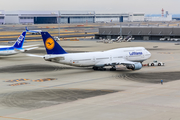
pixel 65 17
pixel 2 16
pixel 55 17
pixel 104 17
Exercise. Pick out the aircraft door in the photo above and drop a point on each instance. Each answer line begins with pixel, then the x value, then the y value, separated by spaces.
pixel 94 59
pixel 110 58
pixel 71 61
pixel 126 56
pixel 142 56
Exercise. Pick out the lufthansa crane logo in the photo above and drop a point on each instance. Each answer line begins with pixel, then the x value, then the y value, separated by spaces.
pixel 49 43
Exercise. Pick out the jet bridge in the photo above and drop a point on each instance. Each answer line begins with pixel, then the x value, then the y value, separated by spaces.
pixel 139 33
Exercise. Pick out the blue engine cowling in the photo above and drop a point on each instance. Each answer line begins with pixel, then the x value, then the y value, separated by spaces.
pixel 136 66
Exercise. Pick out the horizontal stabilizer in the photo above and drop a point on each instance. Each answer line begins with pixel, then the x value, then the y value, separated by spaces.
pixel 33 55
pixel 31 45
pixel 30 48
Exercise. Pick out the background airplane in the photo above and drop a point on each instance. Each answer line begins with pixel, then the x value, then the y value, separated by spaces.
pixel 129 57
pixel 16 48
pixel 34 32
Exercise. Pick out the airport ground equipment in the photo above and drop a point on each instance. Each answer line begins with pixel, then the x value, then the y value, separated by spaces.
pixel 56 38
pixel 176 39
pixel 169 39
pixel 118 39
pixel 108 41
pixel 156 63
pixel 177 43
pixel 131 57
pixel 163 39
pixel 127 39
pixel 105 41
pixel 100 41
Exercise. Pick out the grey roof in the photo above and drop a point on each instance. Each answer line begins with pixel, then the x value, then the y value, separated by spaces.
pixel 78 12
pixel 2 13
pixel 39 12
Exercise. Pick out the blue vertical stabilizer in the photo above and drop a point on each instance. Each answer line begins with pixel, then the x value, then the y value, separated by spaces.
pixel 20 41
pixel 52 47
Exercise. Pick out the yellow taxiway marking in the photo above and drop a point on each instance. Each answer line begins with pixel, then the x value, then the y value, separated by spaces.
pixel 14 118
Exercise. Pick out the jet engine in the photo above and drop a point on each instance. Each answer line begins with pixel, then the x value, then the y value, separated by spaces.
pixel 136 66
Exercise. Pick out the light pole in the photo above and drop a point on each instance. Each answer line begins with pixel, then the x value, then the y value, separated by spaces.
pixel 59 24
pixel 120 28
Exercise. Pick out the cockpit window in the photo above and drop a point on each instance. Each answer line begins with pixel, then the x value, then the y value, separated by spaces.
pixel 128 50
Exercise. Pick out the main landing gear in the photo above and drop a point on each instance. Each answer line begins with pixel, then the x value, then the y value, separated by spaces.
pixel 99 68
pixel 103 69
pixel 113 69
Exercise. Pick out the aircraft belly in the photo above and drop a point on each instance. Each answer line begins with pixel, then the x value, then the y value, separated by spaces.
pixel 6 53
pixel 82 64
pixel 78 64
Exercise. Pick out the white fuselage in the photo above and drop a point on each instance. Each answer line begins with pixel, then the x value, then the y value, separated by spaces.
pixel 9 50
pixel 104 58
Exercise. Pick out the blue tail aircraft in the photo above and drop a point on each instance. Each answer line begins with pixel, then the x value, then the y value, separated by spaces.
pixel 34 32
pixel 16 48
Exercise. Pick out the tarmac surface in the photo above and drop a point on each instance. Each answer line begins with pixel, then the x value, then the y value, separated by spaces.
pixel 70 31
pixel 34 89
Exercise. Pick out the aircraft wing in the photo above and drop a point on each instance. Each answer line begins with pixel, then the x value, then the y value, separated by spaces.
pixel 121 62
pixel 128 64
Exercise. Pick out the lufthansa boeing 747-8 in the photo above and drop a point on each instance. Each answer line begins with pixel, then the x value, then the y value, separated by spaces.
pixel 131 57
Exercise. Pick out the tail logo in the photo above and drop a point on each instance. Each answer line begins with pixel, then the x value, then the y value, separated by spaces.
pixel 49 43
pixel 20 39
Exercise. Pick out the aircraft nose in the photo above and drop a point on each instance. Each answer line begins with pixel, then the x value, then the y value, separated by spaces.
pixel 148 53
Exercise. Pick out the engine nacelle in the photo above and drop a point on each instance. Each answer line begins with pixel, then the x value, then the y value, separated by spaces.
pixel 136 66
pixel 99 65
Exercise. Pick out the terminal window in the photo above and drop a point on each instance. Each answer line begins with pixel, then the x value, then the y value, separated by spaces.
pixel 138 14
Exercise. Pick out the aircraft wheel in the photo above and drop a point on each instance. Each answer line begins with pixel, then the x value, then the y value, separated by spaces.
pixel 103 69
pixel 95 68
pixel 112 69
